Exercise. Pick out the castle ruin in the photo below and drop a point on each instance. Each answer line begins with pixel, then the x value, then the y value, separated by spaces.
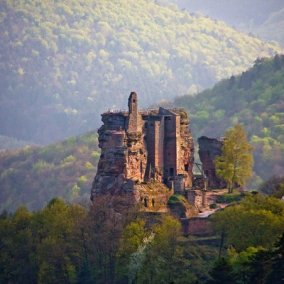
pixel 142 147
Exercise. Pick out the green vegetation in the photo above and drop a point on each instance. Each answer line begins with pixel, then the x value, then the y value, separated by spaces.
pixel 180 207
pixel 251 232
pixel 68 243
pixel 64 63
pixel 236 161
pixel 176 198
pixel 34 175
pixel 253 99
pixel 273 186
pixel 257 221
pixel 229 197
pixel 65 243
pixel 253 265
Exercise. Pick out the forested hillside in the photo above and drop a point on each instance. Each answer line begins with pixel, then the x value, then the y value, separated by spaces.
pixel 66 243
pixel 62 63
pixel 254 99
pixel 32 176
pixel 261 17
pixel 12 143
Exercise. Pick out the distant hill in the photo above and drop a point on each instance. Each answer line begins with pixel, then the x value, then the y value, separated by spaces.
pixel 254 99
pixel 62 63
pixel 12 143
pixel 261 17
pixel 34 175
pixel 273 27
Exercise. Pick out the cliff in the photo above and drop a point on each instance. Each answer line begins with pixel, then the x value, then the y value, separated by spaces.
pixel 139 148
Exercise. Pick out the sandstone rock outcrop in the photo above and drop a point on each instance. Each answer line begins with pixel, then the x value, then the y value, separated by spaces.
pixel 209 149
pixel 139 148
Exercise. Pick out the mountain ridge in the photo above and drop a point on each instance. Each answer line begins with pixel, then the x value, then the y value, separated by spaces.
pixel 58 60
pixel 254 99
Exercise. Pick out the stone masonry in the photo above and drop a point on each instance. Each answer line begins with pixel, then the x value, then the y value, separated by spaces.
pixel 144 147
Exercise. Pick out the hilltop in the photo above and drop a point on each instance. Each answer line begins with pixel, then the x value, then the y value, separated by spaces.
pixel 255 99
pixel 261 17
pixel 62 63
pixel 32 176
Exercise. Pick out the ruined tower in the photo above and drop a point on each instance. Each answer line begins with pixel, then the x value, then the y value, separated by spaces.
pixel 139 148
pixel 133 121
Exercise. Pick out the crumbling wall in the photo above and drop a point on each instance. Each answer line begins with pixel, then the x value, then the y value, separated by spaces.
pixel 144 147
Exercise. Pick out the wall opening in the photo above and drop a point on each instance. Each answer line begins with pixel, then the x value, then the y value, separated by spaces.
pixel 145 202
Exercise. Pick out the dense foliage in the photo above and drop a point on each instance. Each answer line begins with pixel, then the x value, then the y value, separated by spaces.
pixel 65 243
pixel 33 175
pixel 59 59
pixel 253 265
pixel 235 163
pixel 251 231
pixel 256 221
pixel 253 99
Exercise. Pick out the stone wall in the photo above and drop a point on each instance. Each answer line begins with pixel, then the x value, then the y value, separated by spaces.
pixel 144 147
pixel 197 226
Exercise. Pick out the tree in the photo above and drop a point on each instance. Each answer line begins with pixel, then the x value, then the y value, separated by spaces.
pixel 221 272
pixel 256 221
pixel 235 163
pixel 277 270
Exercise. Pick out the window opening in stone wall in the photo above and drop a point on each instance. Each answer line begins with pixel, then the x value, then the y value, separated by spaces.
pixel 171 171
pixel 145 202
pixel 186 167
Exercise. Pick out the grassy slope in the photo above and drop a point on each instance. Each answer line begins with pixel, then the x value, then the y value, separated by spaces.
pixel 255 99
pixel 59 59
pixel 34 175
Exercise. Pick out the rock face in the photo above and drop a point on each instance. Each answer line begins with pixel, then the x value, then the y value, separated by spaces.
pixel 144 147
pixel 209 149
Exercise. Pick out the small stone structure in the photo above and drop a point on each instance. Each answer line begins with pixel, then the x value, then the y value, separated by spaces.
pixel 209 149
pixel 139 148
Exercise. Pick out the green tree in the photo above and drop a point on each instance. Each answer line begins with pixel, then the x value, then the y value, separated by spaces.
pixel 276 275
pixel 221 273
pixel 256 221
pixel 235 163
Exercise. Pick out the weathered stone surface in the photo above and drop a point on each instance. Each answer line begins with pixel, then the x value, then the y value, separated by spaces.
pixel 209 149
pixel 139 148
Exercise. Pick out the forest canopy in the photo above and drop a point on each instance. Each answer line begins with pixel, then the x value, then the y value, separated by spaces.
pixel 253 99
pixel 59 59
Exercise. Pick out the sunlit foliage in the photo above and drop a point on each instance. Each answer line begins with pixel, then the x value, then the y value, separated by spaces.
pixel 62 63
pixel 33 175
